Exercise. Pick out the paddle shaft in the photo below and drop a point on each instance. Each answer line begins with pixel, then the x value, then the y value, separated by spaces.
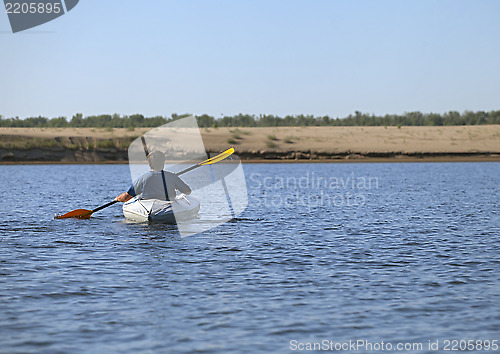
pixel 144 146
pixel 187 169
pixel 104 206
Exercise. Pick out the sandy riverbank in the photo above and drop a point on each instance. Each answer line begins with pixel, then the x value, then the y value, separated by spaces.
pixel 339 144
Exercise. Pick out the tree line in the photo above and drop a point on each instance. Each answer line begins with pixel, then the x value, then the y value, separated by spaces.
pixel 246 120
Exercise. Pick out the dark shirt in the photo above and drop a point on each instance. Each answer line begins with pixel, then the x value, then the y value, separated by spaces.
pixel 150 185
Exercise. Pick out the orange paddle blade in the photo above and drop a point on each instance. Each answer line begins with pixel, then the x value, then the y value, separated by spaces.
pixel 78 214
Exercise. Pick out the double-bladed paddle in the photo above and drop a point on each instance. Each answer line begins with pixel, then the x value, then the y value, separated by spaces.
pixel 85 214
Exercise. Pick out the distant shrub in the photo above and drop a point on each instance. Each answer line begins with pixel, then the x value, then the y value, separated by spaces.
pixel 105 144
pixel 270 144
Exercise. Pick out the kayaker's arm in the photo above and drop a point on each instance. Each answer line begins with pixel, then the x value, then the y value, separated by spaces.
pixel 129 194
pixel 181 186
pixel 124 197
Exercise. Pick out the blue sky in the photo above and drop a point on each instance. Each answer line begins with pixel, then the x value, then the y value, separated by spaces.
pixel 270 57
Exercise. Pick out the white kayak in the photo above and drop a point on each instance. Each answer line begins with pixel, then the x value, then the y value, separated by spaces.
pixel 184 207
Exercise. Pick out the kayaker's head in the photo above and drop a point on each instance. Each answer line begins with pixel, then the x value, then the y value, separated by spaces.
pixel 156 160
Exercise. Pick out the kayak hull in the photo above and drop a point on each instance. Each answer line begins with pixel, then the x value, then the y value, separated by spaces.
pixel 184 207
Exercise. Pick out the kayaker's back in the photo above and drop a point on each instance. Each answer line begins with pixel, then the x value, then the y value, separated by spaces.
pixel 151 185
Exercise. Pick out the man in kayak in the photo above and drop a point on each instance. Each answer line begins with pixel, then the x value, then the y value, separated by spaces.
pixel 157 183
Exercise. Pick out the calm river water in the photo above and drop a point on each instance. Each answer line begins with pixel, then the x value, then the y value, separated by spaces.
pixel 399 253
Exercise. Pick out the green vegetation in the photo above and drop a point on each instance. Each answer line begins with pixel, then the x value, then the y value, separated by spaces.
pixel 270 144
pixel 105 144
pixel 26 143
pixel 236 134
pixel 245 120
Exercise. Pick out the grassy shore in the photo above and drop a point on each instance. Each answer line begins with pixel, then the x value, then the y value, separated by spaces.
pixel 340 144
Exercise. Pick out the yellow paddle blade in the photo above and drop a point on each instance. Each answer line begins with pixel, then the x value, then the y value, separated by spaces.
pixel 218 158
pixel 78 214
